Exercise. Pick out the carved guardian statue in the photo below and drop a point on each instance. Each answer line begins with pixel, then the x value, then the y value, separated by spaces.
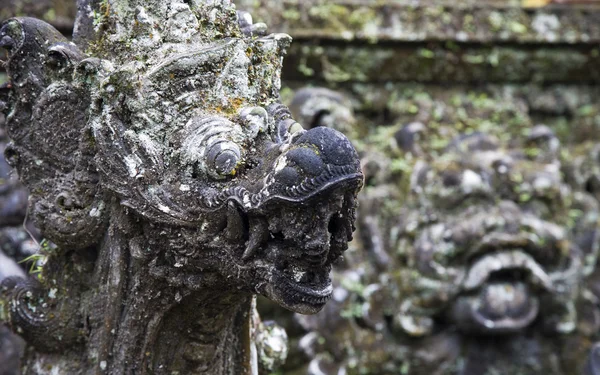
pixel 174 184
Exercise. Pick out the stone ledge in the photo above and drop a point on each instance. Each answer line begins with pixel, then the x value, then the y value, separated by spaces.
pixel 489 21
pixel 443 62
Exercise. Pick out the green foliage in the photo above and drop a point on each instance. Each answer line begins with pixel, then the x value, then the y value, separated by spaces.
pixel 38 260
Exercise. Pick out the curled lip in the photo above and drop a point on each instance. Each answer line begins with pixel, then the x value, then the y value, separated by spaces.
pixel 490 316
pixel 299 297
pixel 543 245
pixel 317 291
pixel 482 269
pixel 303 192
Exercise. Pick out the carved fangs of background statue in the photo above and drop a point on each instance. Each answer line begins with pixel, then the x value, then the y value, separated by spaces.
pixel 174 184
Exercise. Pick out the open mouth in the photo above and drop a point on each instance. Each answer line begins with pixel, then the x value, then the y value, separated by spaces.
pixel 301 290
pixel 513 265
pixel 500 293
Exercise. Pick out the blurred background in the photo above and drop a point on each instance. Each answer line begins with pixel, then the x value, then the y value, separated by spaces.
pixel 477 112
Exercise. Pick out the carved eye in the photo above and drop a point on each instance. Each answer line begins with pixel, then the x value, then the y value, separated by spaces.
pixel 223 157
pixel 211 144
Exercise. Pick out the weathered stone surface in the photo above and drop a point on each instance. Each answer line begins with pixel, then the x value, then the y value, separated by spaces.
pixel 426 41
pixel 419 21
pixel 470 167
pixel 373 52
pixel 362 41
pixel 434 62
pixel 175 186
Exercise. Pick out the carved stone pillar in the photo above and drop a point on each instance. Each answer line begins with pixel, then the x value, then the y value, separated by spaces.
pixel 175 185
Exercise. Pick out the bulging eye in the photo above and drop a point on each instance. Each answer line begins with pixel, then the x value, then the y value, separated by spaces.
pixel 212 146
pixel 223 158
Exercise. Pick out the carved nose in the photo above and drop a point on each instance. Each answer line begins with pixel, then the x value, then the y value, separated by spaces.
pixel 319 154
pixel 333 147
pixel 315 161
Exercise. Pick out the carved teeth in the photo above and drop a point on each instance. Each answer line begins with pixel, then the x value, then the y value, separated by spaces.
pixel 259 235
pixel 485 266
pixel 298 274
pixel 235 223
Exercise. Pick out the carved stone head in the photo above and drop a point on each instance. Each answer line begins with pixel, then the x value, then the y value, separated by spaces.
pixel 495 235
pixel 174 122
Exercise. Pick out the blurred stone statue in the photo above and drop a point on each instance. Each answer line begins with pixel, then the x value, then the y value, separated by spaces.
pixel 478 251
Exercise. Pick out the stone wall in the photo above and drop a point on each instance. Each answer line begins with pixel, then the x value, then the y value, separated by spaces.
pixel 372 50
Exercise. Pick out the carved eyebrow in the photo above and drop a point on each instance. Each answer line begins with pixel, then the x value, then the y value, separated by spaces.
pixel 188 63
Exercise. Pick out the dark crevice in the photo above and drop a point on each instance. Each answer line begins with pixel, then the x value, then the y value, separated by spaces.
pixel 318 119
pixel 278 236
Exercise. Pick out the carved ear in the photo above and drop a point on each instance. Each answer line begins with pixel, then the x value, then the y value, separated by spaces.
pixel 52 147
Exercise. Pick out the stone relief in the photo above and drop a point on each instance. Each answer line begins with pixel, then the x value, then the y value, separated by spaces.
pixel 174 185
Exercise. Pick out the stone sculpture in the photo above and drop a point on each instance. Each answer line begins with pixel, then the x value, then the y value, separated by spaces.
pixel 173 183
pixel 478 253
pixel 17 243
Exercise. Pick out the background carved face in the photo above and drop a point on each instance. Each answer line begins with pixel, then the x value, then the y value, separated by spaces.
pixel 497 237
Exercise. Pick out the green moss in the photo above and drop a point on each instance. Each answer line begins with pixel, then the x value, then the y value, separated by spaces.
pixel 426 53
pixel 4 311
pixel 517 28
pixel 50 15
pixel 332 16
pixel 291 14
pixel 362 17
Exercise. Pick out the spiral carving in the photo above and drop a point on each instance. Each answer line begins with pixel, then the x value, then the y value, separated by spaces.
pixel 46 321
pixel 213 146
